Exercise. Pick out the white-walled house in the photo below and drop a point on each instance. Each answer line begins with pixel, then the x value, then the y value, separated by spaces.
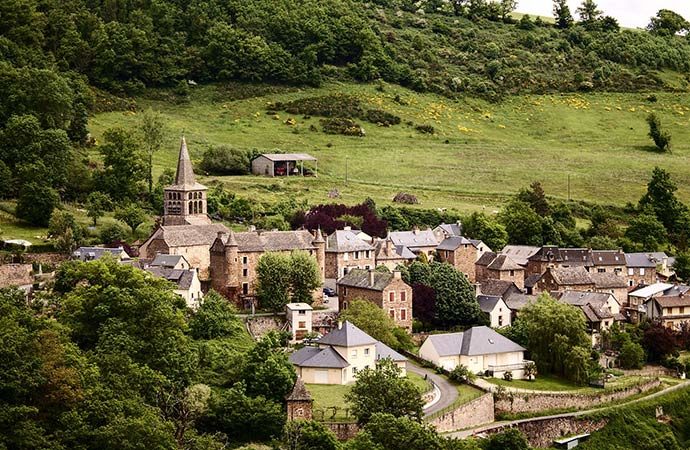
pixel 299 318
pixel 497 310
pixel 480 349
pixel 340 355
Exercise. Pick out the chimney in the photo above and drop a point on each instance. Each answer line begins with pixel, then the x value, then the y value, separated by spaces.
pixel 252 228
pixel 372 274
pixel 389 247
pixel 397 275
pixel 347 228
pixel 478 289
pixel 340 325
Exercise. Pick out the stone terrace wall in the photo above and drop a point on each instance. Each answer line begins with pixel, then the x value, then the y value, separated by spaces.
pixel 343 430
pixel 542 433
pixel 261 325
pixel 477 412
pixel 537 402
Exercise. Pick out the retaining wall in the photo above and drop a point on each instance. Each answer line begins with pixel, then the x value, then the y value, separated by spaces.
pixel 542 433
pixel 343 430
pixel 477 412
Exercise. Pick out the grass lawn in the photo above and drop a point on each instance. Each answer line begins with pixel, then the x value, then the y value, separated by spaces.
pixel 423 385
pixel 480 154
pixel 554 383
pixel 467 393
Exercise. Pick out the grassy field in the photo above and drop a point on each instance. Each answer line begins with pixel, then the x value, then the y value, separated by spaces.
pixel 553 383
pixel 480 154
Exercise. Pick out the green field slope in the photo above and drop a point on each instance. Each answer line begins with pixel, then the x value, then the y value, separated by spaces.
pixel 480 153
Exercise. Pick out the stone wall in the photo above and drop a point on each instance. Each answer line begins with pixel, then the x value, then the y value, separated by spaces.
pixel 343 430
pixel 477 412
pixel 260 325
pixel 538 402
pixel 52 259
pixel 542 433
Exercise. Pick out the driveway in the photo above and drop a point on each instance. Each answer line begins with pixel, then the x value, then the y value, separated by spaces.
pixel 449 393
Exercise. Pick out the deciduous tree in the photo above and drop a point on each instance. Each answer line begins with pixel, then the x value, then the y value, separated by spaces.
pixel 152 129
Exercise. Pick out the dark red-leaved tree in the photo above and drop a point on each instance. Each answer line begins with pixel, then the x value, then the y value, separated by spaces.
pixel 659 342
pixel 424 303
pixel 333 216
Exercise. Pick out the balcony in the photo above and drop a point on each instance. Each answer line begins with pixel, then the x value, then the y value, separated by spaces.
pixel 506 367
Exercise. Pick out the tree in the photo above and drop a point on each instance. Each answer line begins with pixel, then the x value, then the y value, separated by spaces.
pixel 152 129
pixel 557 338
pixel 308 435
pixel 511 439
pixel 273 280
pixel 386 431
pixel 536 198
pixel 589 13
pixel 97 203
pixel 36 203
pixel 506 7
pixel 113 233
pixel 132 215
pixel 561 12
pixel 384 390
pixel 610 24
pixel 487 229
pixel 522 224
pixel 661 198
pixel 659 341
pixel 631 355
pixel 374 321
pixel 424 303
pixel 661 137
pixel 682 266
pixel 124 166
pixel 646 230
pixel 5 181
pixel 667 23
pixel 216 318
pixel 267 371
pixel 456 303
pixel 65 231
pixel 304 277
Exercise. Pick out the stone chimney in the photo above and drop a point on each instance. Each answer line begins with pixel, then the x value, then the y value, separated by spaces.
pixel 389 246
pixel 347 228
pixel 397 275
pixel 372 277
pixel 340 324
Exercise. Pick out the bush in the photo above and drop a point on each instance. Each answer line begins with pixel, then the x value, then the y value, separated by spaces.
pixel 403 197
pixel 381 117
pixel 508 375
pixel 36 203
pixel 347 127
pixel 113 233
pixel 425 129
pixel 462 374
pixel 226 160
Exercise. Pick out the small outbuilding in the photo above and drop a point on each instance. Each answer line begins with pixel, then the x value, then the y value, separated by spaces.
pixel 284 164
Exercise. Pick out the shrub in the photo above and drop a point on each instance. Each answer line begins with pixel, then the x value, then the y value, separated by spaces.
pixel 113 233
pixel 347 127
pixel 403 197
pixel 381 117
pixel 462 374
pixel 226 160
pixel 661 137
pixel 508 375
pixel 425 129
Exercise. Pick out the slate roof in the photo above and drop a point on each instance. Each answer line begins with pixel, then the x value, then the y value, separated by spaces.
pixel 184 177
pixel 348 335
pixel 486 259
pixel 487 303
pixel 650 290
pixel 181 277
pixel 16 275
pixel 188 235
pixel 397 251
pixel 520 253
pixel 608 280
pixel 550 253
pixel 414 239
pixel 92 253
pixel 383 351
pixel 269 241
pixel 673 301
pixel 299 392
pixel 678 289
pixel 475 341
pixel 578 298
pixel 360 278
pixel 608 257
pixel 571 276
pixel 453 243
pixel 451 229
pixel 163 260
pixel 503 263
pixel 497 288
pixel 325 357
pixel 639 260
pixel 594 305
pixel 346 241
pixel 299 307
pixel 517 302
pixel 287 157
pixel 532 280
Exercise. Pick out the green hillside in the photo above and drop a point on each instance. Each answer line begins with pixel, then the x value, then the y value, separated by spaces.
pixel 480 153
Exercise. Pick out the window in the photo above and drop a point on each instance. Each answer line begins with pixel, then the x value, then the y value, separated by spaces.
pixel 391 312
pixel 512 273
pixel 344 291
pixel 354 371
pixel 244 260
pixel 301 324
pixel 245 288
pixel 346 256
pixel 403 296
pixel 353 353
pixel 301 312
pixel 403 314
pixel 245 272
pixel 631 271
pixel 366 352
pixel 682 310
pixel 356 255
pixel 630 283
pixel 601 270
pixel 391 296
pixel 641 270
pixel 500 321
pixel 368 254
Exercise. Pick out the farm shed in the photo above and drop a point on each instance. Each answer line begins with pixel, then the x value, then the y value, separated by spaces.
pixel 283 164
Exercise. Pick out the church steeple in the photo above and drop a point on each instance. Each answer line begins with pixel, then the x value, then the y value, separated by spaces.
pixel 185 201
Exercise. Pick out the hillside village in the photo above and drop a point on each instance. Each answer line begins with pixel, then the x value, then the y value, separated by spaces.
pixel 343 225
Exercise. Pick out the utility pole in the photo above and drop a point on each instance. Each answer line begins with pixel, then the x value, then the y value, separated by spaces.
pixel 346 170
pixel 568 187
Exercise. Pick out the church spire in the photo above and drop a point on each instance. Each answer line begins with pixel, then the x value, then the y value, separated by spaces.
pixel 185 170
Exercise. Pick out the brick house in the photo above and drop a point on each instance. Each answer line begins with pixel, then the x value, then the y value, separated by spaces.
pixel 345 251
pixel 493 266
pixel 234 258
pixel 391 256
pixel 385 289
pixel 461 253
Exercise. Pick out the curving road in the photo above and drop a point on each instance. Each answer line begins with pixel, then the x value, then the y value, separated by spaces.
pixel 449 393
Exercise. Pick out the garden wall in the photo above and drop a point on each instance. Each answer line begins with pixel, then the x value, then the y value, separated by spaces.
pixel 538 402
pixel 343 430
pixel 542 433
pixel 477 412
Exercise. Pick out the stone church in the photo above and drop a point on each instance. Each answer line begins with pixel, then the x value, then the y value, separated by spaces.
pixel 226 260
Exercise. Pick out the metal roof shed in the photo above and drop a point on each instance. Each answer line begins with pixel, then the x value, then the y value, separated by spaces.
pixel 282 164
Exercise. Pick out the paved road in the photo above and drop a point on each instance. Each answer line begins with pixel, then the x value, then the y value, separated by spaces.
pixel 449 393
pixel 469 432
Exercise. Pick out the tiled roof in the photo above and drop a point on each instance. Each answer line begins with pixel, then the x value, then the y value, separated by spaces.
pixel 168 260
pixel 414 239
pixel 608 280
pixel 453 243
pixel 594 305
pixel 670 302
pixel 451 229
pixel 383 351
pixel 325 357
pixel 570 276
pixel 497 288
pixel 16 275
pixel 299 392
pixel 520 253
pixel 608 257
pixel 475 341
pixel 486 259
pixel 503 263
pixel 361 278
pixel 182 278
pixel 487 303
pixel 348 335
pixel 188 235
pixel 346 241
pixel 396 252
pixel 549 253
pixel 269 241
pixel 639 260
pixel 532 280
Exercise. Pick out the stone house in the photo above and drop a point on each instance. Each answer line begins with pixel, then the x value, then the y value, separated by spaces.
pixel 417 241
pixel 641 268
pixel 345 251
pixel 187 284
pixel 299 320
pixel 612 261
pixel 563 279
pixel 550 256
pixel 496 309
pixel 340 355
pixel 671 310
pixel 385 289
pixel 611 283
pixel 391 256
pixel 461 253
pixel 299 403
pixel 234 258
pixel 19 276
pixel 497 288
pixel 446 230
pixel 94 253
pixel 480 349
pixel 493 266
pixel 601 310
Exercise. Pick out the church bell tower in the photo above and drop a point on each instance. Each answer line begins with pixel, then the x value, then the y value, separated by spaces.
pixel 185 201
